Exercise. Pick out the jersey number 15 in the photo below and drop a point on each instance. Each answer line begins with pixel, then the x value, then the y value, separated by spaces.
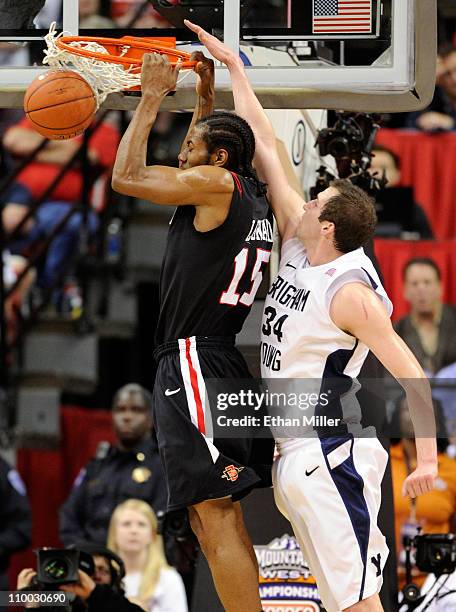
pixel 231 295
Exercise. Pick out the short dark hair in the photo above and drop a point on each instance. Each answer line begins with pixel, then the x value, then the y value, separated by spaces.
pixel 116 565
pixel 353 213
pixel 392 154
pixel 422 261
pixel 231 132
pixel 446 50
pixel 134 388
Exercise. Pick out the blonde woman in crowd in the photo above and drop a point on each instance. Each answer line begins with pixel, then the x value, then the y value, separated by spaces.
pixel 149 580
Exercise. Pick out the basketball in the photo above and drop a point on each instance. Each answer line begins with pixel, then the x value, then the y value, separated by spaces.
pixel 60 104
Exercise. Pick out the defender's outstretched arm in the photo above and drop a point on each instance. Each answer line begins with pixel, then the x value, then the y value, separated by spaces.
pixel 285 202
pixel 358 311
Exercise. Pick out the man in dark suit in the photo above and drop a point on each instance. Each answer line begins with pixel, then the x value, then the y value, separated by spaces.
pixel 430 328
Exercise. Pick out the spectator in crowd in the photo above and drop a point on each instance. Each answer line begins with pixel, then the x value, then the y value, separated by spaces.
pixel 100 592
pixel 149 580
pixel 15 518
pixel 430 328
pixel 138 14
pixel 13 266
pixel 31 183
pixel 445 392
pixel 90 15
pixel 12 54
pixel 386 163
pixel 435 511
pixel 129 469
pixel 441 114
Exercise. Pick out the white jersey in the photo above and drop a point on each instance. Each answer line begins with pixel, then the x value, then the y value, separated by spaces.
pixel 300 341
pixel 327 473
pixel 299 338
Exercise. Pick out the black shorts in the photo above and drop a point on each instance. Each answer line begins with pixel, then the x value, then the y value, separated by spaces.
pixel 199 468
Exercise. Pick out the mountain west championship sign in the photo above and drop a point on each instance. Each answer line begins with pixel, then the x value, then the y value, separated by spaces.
pixel 286 584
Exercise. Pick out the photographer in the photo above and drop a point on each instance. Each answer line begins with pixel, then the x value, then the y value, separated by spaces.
pixel 391 199
pixel 100 592
pixel 15 519
pixel 435 511
pixel 442 591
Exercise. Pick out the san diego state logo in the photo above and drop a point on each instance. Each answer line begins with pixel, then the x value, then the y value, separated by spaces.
pixel 231 472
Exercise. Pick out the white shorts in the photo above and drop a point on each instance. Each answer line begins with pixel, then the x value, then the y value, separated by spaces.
pixel 330 492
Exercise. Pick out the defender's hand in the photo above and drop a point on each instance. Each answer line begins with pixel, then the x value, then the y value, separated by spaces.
pixel 216 48
pixel 83 588
pixel 158 76
pixel 205 75
pixel 420 481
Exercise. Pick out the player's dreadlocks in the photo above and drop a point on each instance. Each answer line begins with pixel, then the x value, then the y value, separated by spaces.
pixel 231 132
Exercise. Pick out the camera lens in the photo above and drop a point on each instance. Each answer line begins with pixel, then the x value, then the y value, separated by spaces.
pixel 176 524
pixel 56 569
pixel 339 147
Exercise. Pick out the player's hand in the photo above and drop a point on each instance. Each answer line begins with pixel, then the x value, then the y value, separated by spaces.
pixel 420 481
pixel 25 578
pixel 83 588
pixel 215 47
pixel 158 76
pixel 205 75
pixel 435 121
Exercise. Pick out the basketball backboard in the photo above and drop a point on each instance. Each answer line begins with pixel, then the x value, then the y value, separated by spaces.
pixel 367 55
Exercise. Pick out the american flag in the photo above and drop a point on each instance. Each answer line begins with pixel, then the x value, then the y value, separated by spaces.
pixel 342 16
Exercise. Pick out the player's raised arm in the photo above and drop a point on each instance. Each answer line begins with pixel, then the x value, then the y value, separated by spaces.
pixel 357 310
pixel 205 93
pixel 209 185
pixel 285 202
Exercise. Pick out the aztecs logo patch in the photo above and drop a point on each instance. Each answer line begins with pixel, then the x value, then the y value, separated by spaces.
pixel 231 472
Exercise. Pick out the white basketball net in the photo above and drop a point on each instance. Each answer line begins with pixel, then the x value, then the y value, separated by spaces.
pixel 104 77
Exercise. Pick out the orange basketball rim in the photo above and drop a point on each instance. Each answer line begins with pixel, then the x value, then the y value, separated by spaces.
pixel 128 50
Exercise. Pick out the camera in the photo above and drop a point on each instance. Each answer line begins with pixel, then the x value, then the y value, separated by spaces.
pixel 351 136
pixel 181 545
pixel 349 141
pixel 435 552
pixel 57 566
pixel 174 524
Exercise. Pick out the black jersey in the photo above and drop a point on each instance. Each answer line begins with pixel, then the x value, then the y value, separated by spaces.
pixel 209 279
